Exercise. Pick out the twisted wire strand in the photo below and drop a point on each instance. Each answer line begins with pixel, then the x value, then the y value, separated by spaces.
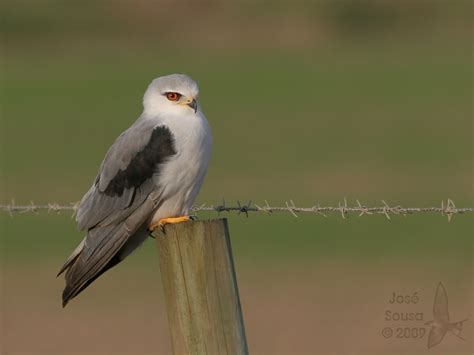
pixel 447 208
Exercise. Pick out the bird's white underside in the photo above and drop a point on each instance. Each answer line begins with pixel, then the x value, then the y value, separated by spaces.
pixel 182 175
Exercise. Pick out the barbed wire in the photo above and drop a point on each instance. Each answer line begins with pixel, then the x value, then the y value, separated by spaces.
pixel 447 208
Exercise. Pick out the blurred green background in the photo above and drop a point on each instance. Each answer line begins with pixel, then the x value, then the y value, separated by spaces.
pixel 309 101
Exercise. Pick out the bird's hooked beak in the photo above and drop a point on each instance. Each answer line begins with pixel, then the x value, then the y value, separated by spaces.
pixel 191 102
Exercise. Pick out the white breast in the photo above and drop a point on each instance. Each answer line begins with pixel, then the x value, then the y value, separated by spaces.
pixel 182 176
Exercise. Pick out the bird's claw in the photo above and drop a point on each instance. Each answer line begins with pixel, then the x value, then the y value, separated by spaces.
pixel 164 221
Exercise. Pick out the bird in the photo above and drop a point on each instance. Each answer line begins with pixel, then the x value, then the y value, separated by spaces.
pixel 150 177
pixel 441 325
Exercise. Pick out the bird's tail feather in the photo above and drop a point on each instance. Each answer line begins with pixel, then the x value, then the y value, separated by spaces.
pixel 104 247
pixel 87 265
pixel 72 257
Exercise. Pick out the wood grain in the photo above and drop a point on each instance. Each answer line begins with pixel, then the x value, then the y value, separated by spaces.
pixel 200 287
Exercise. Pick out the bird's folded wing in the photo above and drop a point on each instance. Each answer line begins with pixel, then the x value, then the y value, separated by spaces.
pixel 126 176
pixel 122 198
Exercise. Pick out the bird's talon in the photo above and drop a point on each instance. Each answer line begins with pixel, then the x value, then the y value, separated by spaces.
pixel 164 221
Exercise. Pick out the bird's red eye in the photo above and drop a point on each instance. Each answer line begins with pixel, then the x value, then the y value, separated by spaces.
pixel 173 96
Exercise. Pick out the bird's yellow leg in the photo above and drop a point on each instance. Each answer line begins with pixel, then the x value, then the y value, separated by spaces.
pixel 170 220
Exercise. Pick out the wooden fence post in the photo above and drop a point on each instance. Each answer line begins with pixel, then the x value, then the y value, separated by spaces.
pixel 201 293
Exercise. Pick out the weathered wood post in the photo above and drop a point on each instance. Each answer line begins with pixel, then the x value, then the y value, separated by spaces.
pixel 201 293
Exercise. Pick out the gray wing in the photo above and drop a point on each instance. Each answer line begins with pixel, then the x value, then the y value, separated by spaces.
pixel 125 176
pixel 123 196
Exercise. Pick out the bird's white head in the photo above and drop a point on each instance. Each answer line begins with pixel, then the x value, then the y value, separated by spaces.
pixel 171 94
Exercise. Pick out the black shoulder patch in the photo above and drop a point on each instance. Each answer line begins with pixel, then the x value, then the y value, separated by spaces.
pixel 145 163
